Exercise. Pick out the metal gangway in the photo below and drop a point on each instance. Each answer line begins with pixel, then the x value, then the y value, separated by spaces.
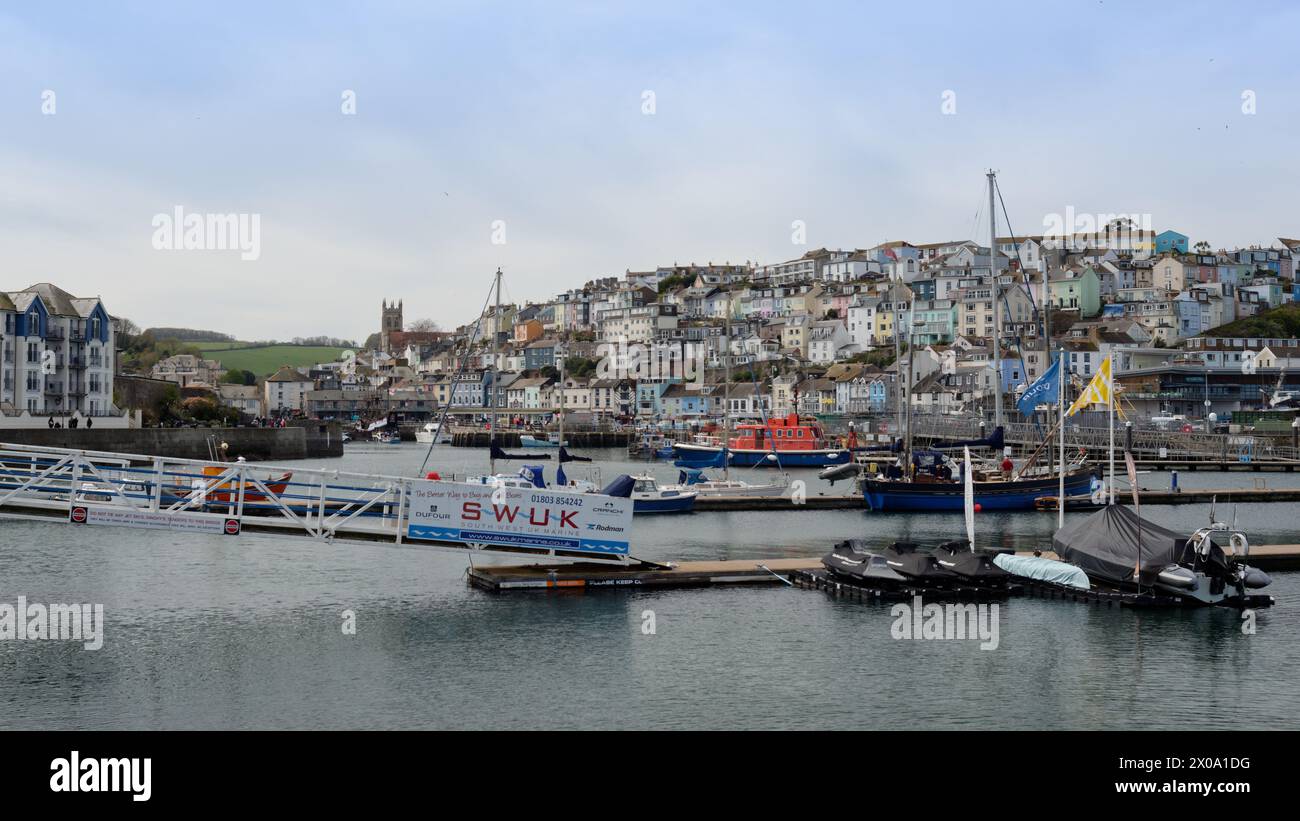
pixel 96 488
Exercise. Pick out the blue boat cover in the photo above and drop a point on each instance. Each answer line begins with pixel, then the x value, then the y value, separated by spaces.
pixel 535 474
pixel 698 459
pixel 1043 570
pixel 691 476
pixel 621 487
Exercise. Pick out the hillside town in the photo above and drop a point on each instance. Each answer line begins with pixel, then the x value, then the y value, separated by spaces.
pixel 814 334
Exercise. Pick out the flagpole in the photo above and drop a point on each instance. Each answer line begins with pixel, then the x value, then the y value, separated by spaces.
pixel 1110 405
pixel 1060 424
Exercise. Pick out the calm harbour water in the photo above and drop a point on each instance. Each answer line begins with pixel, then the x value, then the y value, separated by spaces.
pixel 212 632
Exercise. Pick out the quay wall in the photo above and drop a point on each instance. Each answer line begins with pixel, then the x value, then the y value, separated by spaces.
pixel 311 440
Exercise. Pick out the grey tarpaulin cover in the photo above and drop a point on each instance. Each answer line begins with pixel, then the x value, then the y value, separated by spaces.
pixel 1105 545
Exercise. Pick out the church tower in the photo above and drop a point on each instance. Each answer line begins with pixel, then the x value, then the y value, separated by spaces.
pixel 390 320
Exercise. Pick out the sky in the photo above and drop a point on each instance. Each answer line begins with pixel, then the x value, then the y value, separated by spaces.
pixel 521 135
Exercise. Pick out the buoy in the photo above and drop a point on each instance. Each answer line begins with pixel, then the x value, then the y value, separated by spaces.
pixel 433 475
pixel 978 507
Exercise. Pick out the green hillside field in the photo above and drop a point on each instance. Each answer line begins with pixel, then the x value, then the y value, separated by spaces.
pixel 265 360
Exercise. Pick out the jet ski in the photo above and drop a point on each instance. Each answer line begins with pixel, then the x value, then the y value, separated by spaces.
pixel 977 568
pixel 920 567
pixel 851 561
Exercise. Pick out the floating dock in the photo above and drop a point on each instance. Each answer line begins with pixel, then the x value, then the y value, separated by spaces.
pixel 686 574
pixel 501 578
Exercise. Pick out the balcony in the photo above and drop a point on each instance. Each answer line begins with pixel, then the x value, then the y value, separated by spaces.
pixel 53 333
pixel 53 389
pixel 76 363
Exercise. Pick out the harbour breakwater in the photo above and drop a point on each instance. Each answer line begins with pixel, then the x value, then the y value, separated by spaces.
pixel 310 440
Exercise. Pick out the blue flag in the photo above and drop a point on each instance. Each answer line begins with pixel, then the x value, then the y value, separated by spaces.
pixel 1044 391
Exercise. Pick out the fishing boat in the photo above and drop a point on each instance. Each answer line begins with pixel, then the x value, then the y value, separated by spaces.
pixel 648 496
pixel 227 492
pixel 386 438
pixel 784 441
pixel 430 433
pixel 1120 550
pixel 933 488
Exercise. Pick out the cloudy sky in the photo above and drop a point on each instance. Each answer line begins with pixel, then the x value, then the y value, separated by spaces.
pixel 535 115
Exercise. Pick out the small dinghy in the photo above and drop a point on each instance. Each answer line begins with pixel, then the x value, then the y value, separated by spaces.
pixel 1038 569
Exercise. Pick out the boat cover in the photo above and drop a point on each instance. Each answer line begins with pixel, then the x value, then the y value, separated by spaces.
pixel 535 474
pixel 1106 544
pixel 498 453
pixel 691 476
pixel 621 487
pixel 697 459
pixel 995 440
pixel 565 456
pixel 1043 570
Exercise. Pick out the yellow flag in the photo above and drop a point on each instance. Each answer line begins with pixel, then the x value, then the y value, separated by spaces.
pixel 1097 392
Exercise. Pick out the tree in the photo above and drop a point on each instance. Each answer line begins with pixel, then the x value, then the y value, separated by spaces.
pixel 423 326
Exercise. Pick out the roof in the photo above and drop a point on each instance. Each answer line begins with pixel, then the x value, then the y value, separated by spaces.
pixel 57 300
pixel 287 374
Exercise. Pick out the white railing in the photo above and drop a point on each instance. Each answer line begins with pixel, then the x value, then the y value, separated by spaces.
pixel 86 487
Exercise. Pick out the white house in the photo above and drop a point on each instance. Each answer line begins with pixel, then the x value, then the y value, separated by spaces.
pixel 825 338
pixel 284 391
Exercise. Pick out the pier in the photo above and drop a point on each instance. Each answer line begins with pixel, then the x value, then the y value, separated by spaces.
pixel 801 572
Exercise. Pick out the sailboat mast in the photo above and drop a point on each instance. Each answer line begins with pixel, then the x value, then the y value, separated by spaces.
pixel 911 360
pixel 997 312
pixel 898 358
pixel 1060 425
pixel 563 357
pixel 496 377
pixel 726 390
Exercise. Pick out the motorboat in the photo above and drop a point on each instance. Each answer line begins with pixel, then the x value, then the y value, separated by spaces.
pixel 1120 550
pixel 648 496
pixel 431 433
pixel 386 438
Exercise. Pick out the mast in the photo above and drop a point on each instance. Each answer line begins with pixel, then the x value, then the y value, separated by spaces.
pixel 726 391
pixel 496 377
pixel 1060 425
pixel 1047 343
pixel 911 359
pixel 898 358
pixel 997 311
pixel 563 356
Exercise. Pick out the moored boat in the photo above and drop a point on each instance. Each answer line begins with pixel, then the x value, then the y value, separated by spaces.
pixel 648 496
pixel 785 441
pixel 697 480
pixel 430 433
pixel 1120 550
